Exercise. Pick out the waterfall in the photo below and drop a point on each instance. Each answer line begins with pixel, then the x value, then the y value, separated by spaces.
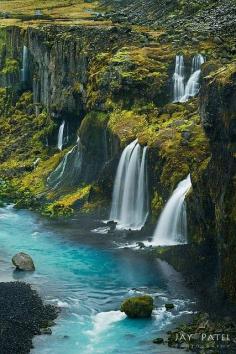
pixel 192 86
pixel 68 172
pixel 130 194
pixel 60 136
pixel 183 92
pixel 172 225
pixel 25 64
pixel 178 78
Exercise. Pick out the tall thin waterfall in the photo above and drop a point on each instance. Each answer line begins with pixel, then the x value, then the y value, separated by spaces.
pixel 172 225
pixel 178 78
pixel 60 136
pixel 25 64
pixel 130 194
pixel 68 172
pixel 192 86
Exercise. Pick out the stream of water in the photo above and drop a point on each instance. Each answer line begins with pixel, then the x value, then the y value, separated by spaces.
pixel 88 277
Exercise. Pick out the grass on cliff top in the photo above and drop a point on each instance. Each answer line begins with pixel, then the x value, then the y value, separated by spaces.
pixel 53 8
pixel 225 74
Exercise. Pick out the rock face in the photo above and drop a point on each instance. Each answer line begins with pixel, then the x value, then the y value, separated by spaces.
pixel 112 84
pixel 23 261
pixel 212 206
pixel 138 307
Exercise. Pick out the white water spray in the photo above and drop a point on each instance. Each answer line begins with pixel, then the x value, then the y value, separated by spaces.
pixel 130 194
pixel 183 92
pixel 192 86
pixel 60 136
pixel 172 225
pixel 178 78
pixel 68 172
pixel 25 64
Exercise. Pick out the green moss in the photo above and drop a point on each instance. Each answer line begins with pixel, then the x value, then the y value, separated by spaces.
pixel 57 210
pixel 23 137
pixel 126 125
pixel 65 205
pixel 129 76
pixel 36 180
pixel 11 67
pixel 3 38
pixel 225 75
pixel 156 204
pixel 138 307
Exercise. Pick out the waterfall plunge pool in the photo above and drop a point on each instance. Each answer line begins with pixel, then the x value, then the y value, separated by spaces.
pixel 88 278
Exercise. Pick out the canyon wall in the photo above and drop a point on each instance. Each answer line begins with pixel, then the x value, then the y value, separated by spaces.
pixel 112 84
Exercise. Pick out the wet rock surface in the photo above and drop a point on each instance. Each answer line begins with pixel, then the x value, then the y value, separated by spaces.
pixel 22 315
pixel 23 261
pixel 205 335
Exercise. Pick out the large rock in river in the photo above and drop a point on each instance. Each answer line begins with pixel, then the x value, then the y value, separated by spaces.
pixel 138 307
pixel 23 261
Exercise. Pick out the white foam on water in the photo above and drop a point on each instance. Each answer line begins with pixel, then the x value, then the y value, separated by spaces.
pixel 103 230
pixel 103 320
pixel 59 303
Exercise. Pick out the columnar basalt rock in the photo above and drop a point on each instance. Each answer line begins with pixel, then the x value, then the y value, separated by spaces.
pixel 212 208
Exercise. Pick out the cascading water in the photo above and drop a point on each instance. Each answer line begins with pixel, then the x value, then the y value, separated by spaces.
pixel 68 172
pixel 172 225
pixel 192 87
pixel 183 92
pixel 60 136
pixel 178 78
pixel 25 64
pixel 130 194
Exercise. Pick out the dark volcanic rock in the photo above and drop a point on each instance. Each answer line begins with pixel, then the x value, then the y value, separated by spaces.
pixel 197 15
pixel 22 315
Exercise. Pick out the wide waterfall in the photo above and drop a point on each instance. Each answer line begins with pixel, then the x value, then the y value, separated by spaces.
pixel 172 225
pixel 192 86
pixel 61 136
pixel 183 92
pixel 178 78
pixel 68 172
pixel 130 194
pixel 25 64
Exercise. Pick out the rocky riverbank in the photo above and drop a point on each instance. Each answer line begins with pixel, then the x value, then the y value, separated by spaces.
pixel 22 316
pixel 204 335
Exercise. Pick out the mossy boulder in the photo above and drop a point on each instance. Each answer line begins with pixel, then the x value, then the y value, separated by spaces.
pixel 138 307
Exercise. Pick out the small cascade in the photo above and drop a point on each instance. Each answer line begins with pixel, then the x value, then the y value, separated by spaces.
pixel 60 136
pixel 183 92
pixel 68 172
pixel 25 64
pixel 172 225
pixel 130 194
pixel 178 78
pixel 192 86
